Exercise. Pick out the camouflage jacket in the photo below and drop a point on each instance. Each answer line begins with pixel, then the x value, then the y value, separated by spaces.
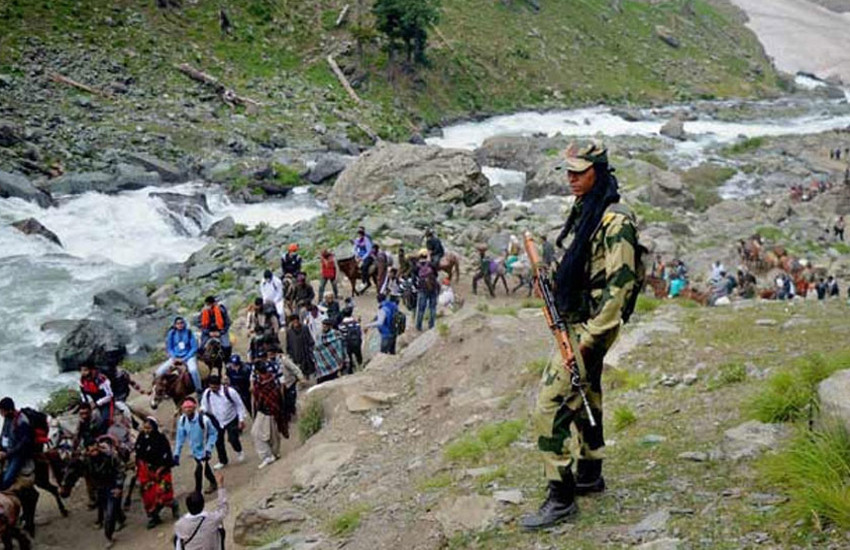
pixel 612 276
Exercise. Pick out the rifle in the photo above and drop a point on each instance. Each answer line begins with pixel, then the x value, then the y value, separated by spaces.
pixel 564 337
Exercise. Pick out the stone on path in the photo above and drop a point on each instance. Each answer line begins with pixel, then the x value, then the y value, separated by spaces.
pixel 693 456
pixel 366 401
pixel 466 513
pixel 665 543
pixel 320 464
pixel 751 439
pixel 655 522
pixel 511 496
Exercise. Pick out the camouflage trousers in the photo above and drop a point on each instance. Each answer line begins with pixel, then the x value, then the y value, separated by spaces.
pixel 560 414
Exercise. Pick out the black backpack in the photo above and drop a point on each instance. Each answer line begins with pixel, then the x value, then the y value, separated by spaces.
pixel 399 322
pixel 353 335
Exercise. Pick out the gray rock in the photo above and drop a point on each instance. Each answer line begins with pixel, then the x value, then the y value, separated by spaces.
pixel 91 342
pixel 169 172
pixel 693 456
pixel 130 302
pixel 9 134
pixel 652 439
pixel 320 463
pixel 751 439
pixel 653 523
pixel 129 177
pixel 16 185
pixel 666 36
pixel 833 393
pixel 466 513
pixel 32 226
pixel 83 182
pixel 766 322
pixel 674 128
pixel 253 523
pixel 161 295
pixel 204 270
pixel 295 542
pixel 327 166
pixel 548 178
pixel 224 228
pixel 184 211
pixel 446 175
pixel 341 145
pixel 485 210
pixel 511 496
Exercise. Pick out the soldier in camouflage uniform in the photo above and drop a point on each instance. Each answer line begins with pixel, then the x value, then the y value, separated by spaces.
pixel 592 285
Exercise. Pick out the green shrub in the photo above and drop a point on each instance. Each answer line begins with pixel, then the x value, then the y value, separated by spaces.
pixel 311 419
pixel 814 471
pixel 60 401
pixel 651 214
pixel 769 233
pixel 652 158
pixel 788 393
pixel 505 310
pixel 703 181
pixel 625 379
pixel 443 329
pixel 471 449
pixel 748 145
pixel 436 482
pixel 623 418
pixel 285 175
pixel 728 374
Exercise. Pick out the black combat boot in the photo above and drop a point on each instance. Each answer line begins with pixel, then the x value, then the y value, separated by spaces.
pixel 559 505
pixel 589 477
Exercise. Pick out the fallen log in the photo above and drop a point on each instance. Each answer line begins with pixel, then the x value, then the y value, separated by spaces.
pixel 56 77
pixel 342 80
pixel 227 95
pixel 342 15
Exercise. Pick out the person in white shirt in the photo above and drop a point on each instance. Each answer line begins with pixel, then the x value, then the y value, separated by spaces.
pixel 313 321
pixel 224 404
pixel 199 529
pixel 271 289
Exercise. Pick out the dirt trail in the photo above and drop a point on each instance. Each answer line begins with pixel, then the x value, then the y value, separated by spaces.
pixel 801 36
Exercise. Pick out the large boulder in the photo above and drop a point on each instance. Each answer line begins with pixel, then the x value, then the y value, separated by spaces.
pixel 519 153
pixel 16 185
pixel 327 166
pixel 833 393
pixel 320 463
pixel 223 228
pixel 663 189
pixel 186 213
pixel 9 134
pixel 546 179
pixel 447 175
pixel 32 226
pixel 91 342
pixel 752 438
pixel 76 183
pixel 169 172
pixel 130 302
pixel 129 177
pixel 674 128
pixel 253 524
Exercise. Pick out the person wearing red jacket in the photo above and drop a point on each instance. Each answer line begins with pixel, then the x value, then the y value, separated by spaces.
pixel 328 273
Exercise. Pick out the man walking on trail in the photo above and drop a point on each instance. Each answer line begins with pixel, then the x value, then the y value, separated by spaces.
pixel 328 273
pixel 271 290
pixel 199 529
pixel 225 405
pixel 483 272
pixel 330 353
pixel 198 430
pixel 384 322
pixel 429 290
pixel 592 289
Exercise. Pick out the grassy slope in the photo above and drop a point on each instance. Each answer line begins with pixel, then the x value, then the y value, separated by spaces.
pixel 494 57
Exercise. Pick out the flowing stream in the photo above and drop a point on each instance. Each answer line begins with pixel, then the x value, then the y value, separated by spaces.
pixel 109 241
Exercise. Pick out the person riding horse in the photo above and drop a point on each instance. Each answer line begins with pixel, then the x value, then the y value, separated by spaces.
pixel 363 252
pixel 435 248
pixel 182 349
pixel 215 324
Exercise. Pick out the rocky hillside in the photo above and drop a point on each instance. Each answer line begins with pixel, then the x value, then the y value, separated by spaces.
pixel 485 56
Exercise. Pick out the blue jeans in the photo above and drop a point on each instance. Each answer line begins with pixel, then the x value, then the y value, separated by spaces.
pixel 388 344
pixel 10 474
pixel 426 300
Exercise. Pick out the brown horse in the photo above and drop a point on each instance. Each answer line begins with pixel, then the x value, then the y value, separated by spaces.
pixel 450 263
pixel 658 285
pixel 691 293
pixel 176 384
pixel 10 511
pixel 351 269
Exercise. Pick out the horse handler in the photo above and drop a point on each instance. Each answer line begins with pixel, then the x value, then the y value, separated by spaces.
pixel 593 294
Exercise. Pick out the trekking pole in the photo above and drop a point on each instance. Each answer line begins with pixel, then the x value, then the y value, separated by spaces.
pixel 564 337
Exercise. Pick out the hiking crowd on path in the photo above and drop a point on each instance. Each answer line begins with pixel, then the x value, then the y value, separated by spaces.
pixel 293 339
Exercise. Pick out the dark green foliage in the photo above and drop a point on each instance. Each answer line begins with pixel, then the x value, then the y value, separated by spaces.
pixel 407 22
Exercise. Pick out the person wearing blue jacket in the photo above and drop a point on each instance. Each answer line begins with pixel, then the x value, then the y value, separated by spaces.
pixel 181 345
pixel 384 322
pixel 363 253
pixel 200 431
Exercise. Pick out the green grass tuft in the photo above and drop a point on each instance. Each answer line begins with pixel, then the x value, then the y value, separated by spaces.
pixel 647 304
pixel 651 214
pixel 623 417
pixel 435 483
pixel 443 329
pixel 311 419
pixel 814 471
pixel 748 145
pixel 505 310
pixel 537 366
pixel 728 374
pixel 60 401
pixel 347 522
pixel 625 379
pixel 472 449
pixel 788 393
pixel 531 303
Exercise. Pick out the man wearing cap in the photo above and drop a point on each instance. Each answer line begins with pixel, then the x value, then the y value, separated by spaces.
pixel 329 353
pixel 271 290
pixel 290 263
pixel 181 346
pixel 200 431
pixel 215 323
pixel 593 284
pixel 225 405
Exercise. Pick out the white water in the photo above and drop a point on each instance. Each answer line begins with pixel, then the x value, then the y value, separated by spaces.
pixel 108 241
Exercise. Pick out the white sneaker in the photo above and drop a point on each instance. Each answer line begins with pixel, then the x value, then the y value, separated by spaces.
pixel 240 458
pixel 265 463
pixel 219 466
